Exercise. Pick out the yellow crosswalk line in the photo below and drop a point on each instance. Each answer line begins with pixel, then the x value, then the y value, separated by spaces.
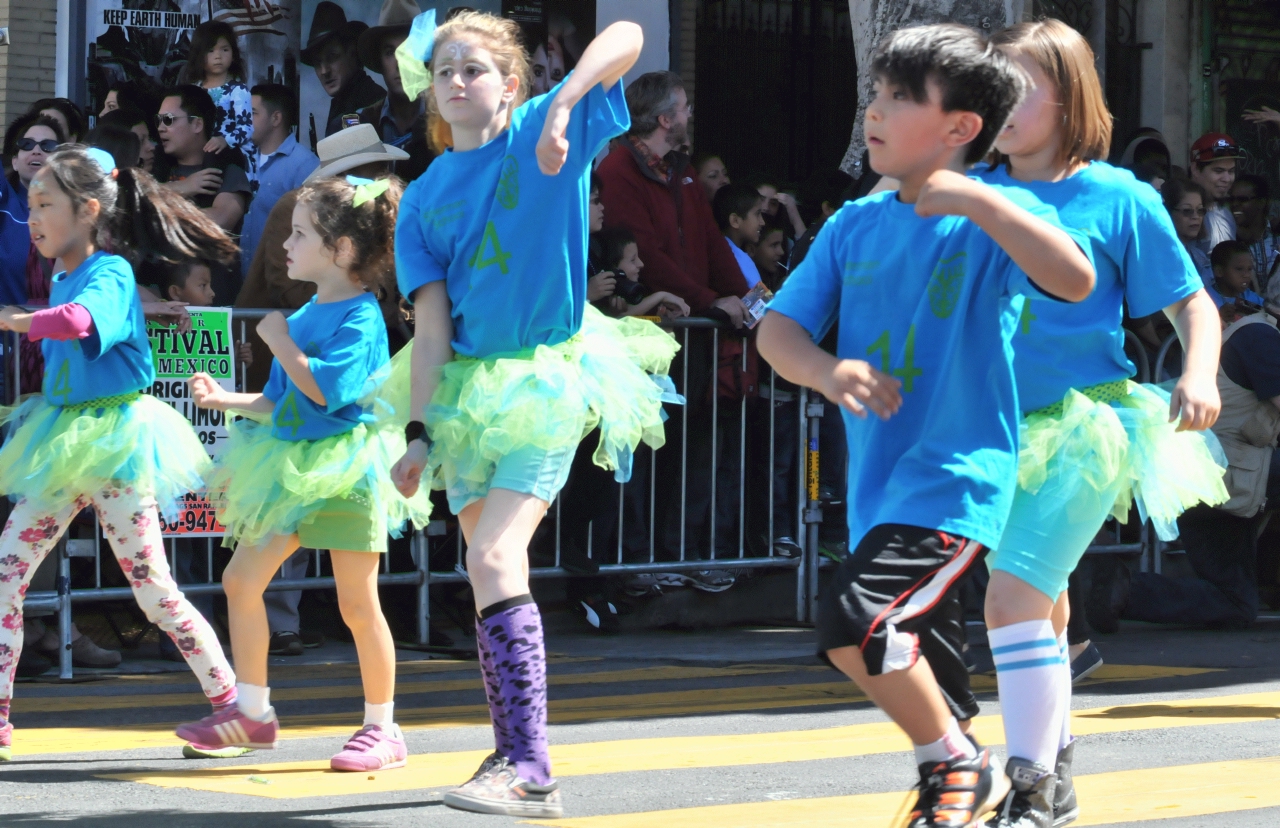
pixel 1105 798
pixel 306 779
pixel 40 741
pixel 67 704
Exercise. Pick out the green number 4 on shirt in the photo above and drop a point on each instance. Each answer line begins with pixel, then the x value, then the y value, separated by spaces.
pixel 908 372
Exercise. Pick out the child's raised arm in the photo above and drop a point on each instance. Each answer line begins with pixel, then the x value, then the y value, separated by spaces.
pixel 1049 256
pixel 207 393
pixel 274 330
pixel 605 61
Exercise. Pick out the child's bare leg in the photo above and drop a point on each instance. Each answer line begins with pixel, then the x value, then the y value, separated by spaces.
pixel 910 697
pixel 244 581
pixel 356 574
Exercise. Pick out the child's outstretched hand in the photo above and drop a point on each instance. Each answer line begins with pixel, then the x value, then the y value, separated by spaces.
pixel 856 386
pixel 168 313
pixel 244 353
pixel 206 392
pixel 273 326
pixel 406 474
pixel 216 144
pixel 553 147
pixel 947 193
pixel 672 306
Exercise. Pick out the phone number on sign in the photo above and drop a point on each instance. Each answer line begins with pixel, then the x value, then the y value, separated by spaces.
pixel 193 521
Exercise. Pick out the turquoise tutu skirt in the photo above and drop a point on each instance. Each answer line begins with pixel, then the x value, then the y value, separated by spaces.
pixel 1124 436
pixel 611 375
pixel 57 453
pixel 265 486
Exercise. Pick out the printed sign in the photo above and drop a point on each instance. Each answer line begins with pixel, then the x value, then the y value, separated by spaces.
pixel 207 347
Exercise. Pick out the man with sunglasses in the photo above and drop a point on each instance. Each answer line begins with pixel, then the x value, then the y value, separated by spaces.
pixel 1213 166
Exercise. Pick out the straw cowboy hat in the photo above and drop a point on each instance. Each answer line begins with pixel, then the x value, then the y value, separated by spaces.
pixel 348 148
pixel 395 18
pixel 328 22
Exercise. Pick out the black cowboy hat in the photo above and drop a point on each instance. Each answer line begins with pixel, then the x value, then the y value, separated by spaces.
pixel 328 22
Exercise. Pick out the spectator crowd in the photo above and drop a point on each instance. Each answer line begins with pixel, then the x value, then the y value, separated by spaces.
pixel 673 235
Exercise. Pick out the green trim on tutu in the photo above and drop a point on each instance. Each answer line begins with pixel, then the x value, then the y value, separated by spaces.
pixel 266 486
pixel 1094 443
pixel 55 453
pixel 611 375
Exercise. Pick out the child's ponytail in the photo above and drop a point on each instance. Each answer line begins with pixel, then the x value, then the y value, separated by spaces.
pixel 153 223
pixel 363 211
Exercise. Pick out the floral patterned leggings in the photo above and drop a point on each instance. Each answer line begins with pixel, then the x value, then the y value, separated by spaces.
pixel 131 525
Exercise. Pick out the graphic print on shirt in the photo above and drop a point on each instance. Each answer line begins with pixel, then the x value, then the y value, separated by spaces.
pixel 508 193
pixel 288 416
pixel 908 372
pixel 62 382
pixel 499 257
pixel 945 284
pixel 1025 320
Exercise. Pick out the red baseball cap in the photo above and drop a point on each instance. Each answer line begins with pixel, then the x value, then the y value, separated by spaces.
pixel 1214 145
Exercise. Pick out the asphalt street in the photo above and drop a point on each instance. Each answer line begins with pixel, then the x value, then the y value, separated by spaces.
pixel 739 727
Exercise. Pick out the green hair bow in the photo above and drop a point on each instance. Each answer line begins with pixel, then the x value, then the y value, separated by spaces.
pixel 414 54
pixel 367 189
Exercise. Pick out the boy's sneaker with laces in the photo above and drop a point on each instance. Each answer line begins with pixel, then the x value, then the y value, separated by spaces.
pixel 231 728
pixel 372 749
pixel 1065 807
pixel 6 742
pixel 958 793
pixel 502 791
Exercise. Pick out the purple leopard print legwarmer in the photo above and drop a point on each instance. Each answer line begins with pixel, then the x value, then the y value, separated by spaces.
pixel 493 692
pixel 513 629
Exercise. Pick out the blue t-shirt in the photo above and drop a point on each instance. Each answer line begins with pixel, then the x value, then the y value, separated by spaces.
pixel 1220 300
pixel 934 302
pixel 1138 259
pixel 116 357
pixel 15 243
pixel 346 345
pixel 510 242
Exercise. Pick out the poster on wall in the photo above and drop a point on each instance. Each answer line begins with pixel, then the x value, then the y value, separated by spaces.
pixel 556 32
pixel 207 347
pixel 147 41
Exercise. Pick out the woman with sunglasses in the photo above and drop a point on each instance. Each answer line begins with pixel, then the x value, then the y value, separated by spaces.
pixel 27 143
pixel 1185 200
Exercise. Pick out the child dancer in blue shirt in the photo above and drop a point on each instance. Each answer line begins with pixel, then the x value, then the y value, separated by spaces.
pixel 1093 443
pixel 927 284
pixel 510 367
pixel 92 437
pixel 318 474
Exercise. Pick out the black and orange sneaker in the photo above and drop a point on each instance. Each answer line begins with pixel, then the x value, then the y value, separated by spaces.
pixel 958 793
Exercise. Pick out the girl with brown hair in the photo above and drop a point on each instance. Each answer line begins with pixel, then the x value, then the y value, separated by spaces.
pixel 1092 442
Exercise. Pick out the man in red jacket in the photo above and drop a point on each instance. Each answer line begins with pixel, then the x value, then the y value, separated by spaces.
pixel 650 188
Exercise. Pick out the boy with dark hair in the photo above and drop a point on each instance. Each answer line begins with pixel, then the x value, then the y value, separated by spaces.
pixel 1251 208
pixel 739 210
pixel 928 283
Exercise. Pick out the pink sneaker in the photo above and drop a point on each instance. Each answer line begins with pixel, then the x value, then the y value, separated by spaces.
pixel 6 742
pixel 231 728
pixel 372 749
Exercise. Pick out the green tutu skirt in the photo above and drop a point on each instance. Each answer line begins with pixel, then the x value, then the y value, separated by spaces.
pixel 1126 436
pixel 611 375
pixel 265 486
pixel 57 453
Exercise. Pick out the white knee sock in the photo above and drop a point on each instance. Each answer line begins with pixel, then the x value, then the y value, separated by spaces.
pixel 1029 677
pixel 1064 685
pixel 253 701
pixel 381 715
pixel 953 745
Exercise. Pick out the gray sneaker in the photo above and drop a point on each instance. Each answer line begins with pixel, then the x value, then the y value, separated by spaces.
pixel 1030 803
pixel 1065 806
pixel 712 580
pixel 502 791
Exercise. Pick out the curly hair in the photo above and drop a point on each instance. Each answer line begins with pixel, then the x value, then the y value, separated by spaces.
pixel 371 227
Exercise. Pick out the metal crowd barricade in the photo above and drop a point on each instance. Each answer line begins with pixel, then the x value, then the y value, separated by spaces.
pixel 692 333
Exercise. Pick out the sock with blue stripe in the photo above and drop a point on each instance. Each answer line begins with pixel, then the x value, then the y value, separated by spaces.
pixel 1029 676
pixel 1064 689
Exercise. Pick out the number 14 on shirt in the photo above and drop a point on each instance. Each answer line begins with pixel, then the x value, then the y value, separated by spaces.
pixel 908 372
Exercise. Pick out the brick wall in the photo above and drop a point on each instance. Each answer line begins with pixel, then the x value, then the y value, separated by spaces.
pixel 28 63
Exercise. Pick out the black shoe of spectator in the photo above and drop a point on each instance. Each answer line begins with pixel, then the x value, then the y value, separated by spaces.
pixel 439 639
pixel 600 613
pixel 32 664
pixel 786 547
pixel 1108 594
pixel 285 643
pixel 311 640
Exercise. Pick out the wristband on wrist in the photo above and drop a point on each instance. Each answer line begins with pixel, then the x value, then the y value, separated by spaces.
pixel 415 430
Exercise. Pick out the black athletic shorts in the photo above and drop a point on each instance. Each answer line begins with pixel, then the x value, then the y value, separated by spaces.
pixel 896 598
